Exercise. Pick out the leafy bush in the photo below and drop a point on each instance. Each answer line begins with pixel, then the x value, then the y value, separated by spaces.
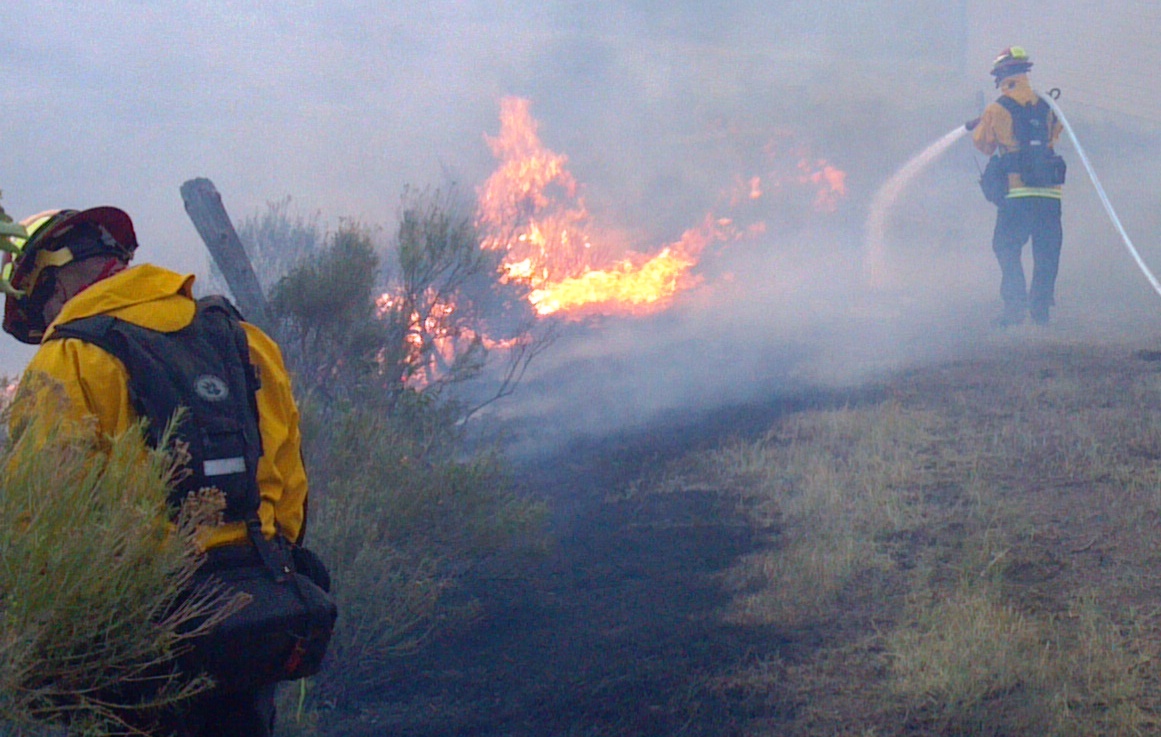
pixel 401 531
pixel 399 512
pixel 428 313
pixel 333 341
pixel 91 575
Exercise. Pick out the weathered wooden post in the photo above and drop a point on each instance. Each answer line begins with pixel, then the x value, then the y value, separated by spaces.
pixel 204 206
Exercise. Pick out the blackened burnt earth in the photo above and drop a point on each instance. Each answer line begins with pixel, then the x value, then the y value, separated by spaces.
pixel 618 629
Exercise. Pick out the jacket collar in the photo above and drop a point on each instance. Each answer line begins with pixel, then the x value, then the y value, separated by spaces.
pixel 125 295
pixel 1018 88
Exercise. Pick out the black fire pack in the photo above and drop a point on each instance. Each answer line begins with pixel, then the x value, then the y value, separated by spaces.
pixel 1036 163
pixel 204 371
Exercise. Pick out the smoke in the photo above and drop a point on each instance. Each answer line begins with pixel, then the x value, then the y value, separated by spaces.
pixel 661 109
pixel 819 301
pixel 783 317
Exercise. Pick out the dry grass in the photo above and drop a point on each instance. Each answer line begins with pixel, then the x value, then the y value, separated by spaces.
pixel 841 483
pixel 974 556
pixel 961 653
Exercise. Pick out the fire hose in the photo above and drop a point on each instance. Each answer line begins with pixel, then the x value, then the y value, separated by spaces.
pixel 1051 100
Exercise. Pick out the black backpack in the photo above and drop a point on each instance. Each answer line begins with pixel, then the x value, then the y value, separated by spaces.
pixel 283 633
pixel 1036 163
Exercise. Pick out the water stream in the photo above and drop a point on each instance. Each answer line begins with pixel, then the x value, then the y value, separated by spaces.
pixel 874 257
pixel 875 267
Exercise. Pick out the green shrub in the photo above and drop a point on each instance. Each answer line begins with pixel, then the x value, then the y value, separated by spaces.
pixel 400 531
pixel 332 340
pixel 426 314
pixel 90 576
pixel 398 513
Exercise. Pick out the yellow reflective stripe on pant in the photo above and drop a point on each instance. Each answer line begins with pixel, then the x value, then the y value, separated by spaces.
pixel 1052 193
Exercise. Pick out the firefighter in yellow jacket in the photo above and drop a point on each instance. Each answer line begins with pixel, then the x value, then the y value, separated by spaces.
pixel 1019 131
pixel 74 265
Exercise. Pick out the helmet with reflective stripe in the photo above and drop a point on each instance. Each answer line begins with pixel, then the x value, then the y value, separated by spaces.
pixel 46 241
pixel 1009 62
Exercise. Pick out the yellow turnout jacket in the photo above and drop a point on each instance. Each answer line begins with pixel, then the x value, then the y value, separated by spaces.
pixel 995 134
pixel 96 384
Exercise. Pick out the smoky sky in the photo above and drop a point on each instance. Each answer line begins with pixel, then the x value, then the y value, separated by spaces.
pixel 660 106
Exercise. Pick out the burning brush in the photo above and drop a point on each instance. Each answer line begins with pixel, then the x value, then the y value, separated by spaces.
pixel 532 213
pixel 531 216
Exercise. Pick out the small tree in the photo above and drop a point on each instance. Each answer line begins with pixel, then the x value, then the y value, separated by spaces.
pixel 400 336
pixel 381 344
pixel 454 309
pixel 334 342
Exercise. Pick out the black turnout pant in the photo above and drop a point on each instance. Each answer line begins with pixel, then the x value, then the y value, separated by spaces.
pixel 1018 220
pixel 239 714
pixel 244 714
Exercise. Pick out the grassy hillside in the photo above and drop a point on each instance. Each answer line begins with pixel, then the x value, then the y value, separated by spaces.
pixel 974 552
pixel 961 549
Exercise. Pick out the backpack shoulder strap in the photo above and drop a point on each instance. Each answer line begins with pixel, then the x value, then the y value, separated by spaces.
pixel 204 368
pixel 230 319
pixel 1026 119
pixel 220 302
pixel 103 331
pixel 95 330
pixel 1013 107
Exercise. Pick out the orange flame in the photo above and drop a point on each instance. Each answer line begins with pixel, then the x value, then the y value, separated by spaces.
pixel 633 282
pixel 531 210
pixel 830 183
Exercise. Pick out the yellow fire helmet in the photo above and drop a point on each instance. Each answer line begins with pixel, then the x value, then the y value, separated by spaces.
pixel 46 241
pixel 1011 61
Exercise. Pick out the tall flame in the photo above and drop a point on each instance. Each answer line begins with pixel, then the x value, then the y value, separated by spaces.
pixel 531 212
pixel 530 208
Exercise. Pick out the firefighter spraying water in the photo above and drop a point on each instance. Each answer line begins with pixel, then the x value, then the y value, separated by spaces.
pixel 1023 179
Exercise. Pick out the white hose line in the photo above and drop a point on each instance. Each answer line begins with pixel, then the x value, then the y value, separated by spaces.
pixel 1104 197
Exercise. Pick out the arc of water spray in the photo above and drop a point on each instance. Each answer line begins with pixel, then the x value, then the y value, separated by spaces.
pixel 1103 196
pixel 884 200
pixel 885 197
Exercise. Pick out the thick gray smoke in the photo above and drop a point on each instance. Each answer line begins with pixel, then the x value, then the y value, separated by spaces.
pixel 661 107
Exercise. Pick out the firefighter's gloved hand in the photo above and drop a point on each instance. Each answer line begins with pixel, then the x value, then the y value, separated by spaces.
pixel 971 124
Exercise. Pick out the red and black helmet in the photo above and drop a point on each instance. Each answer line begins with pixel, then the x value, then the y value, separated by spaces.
pixel 1010 62
pixel 45 242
